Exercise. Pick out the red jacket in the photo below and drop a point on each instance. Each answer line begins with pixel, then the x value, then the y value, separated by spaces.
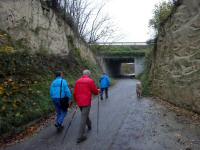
pixel 84 88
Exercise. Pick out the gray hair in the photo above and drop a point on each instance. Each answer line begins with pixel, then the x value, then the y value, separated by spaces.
pixel 86 72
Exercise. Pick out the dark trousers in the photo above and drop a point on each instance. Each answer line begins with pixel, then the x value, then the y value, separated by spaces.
pixel 106 92
pixel 60 114
pixel 85 120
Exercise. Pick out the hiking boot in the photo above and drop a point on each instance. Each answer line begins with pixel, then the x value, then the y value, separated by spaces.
pixel 59 127
pixel 89 128
pixel 56 125
pixel 79 140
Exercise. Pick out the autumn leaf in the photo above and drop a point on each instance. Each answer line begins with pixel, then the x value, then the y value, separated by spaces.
pixel 2 90
pixel 9 49
pixel 10 80
pixel 14 105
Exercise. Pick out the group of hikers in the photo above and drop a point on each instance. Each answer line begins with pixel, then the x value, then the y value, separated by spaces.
pixel 84 88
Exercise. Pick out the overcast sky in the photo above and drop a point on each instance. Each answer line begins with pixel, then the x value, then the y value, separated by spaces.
pixel 132 17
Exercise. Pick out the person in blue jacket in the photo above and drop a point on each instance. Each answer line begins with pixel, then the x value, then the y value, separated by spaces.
pixel 57 92
pixel 104 84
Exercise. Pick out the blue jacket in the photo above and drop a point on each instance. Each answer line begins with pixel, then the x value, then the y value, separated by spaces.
pixel 56 86
pixel 104 81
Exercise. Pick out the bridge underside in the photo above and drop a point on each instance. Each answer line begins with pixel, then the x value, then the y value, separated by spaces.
pixel 113 65
pixel 114 57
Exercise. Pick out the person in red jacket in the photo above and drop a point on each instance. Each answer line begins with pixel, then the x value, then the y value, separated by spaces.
pixel 84 88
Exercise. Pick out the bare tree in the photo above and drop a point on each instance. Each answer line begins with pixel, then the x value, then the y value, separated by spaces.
pixel 89 20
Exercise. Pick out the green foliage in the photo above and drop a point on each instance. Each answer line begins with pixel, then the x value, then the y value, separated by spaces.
pixel 120 50
pixel 124 53
pixel 25 79
pixel 160 14
pixel 6 45
pixel 146 83
pixel 145 77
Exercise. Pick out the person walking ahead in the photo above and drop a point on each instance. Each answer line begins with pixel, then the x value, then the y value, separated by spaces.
pixel 59 89
pixel 84 88
pixel 104 84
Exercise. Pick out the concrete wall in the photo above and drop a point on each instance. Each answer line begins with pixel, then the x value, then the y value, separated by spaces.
pixel 26 22
pixel 102 63
pixel 139 65
pixel 111 65
pixel 108 66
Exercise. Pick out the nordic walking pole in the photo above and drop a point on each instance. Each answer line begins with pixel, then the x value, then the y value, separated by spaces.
pixel 69 124
pixel 98 115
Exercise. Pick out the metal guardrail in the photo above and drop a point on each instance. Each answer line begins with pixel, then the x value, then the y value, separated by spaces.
pixel 123 43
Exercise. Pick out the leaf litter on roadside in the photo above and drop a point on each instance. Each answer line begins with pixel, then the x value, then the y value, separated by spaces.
pixel 29 131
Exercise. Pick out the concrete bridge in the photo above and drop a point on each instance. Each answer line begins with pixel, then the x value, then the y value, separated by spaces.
pixel 112 55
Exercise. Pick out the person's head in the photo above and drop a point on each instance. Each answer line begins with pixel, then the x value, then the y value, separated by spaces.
pixel 59 74
pixel 86 72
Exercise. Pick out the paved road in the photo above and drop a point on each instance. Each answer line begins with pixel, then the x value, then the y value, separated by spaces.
pixel 126 123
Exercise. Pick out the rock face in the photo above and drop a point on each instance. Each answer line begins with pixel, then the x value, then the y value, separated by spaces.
pixel 176 65
pixel 39 28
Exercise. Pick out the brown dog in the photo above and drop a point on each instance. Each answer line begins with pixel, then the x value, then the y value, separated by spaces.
pixel 139 89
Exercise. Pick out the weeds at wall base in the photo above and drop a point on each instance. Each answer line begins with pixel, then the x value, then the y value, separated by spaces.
pixel 24 85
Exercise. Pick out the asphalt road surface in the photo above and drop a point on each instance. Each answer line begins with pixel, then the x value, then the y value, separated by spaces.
pixel 125 123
